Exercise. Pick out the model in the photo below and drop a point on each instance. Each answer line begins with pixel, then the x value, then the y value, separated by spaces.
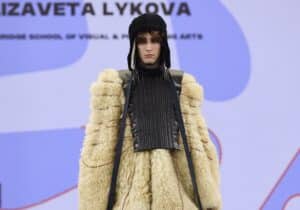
pixel 146 144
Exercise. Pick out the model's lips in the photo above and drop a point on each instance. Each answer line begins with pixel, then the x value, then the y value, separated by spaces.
pixel 149 55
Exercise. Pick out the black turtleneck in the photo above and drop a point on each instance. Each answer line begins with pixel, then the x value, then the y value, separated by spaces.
pixel 152 112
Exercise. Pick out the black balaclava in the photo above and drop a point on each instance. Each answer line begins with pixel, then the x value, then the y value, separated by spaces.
pixel 145 23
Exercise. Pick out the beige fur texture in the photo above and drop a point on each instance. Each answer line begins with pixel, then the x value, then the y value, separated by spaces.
pixel 151 180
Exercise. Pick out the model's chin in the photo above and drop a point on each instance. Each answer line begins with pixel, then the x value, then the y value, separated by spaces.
pixel 149 61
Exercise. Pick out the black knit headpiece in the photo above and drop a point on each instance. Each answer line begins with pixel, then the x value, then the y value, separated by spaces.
pixel 145 23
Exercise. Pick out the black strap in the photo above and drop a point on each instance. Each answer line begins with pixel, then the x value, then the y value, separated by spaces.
pixel 118 151
pixel 186 147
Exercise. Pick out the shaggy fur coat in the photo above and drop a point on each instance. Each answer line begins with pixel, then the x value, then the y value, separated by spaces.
pixel 158 179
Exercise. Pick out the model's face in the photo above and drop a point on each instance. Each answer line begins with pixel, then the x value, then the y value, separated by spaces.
pixel 148 45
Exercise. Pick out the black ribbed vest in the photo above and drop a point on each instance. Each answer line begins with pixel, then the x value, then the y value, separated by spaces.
pixel 151 110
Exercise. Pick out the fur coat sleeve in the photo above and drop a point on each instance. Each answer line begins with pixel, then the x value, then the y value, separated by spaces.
pixel 157 179
pixel 193 92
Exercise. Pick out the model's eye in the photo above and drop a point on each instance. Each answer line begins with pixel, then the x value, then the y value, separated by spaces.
pixel 141 40
pixel 155 40
pixel 144 40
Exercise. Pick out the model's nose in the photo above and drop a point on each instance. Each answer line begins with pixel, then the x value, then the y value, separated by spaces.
pixel 148 46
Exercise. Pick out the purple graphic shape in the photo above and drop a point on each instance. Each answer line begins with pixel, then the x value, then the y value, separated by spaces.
pixel 215 140
pixel 286 186
pixel 23 56
pixel 220 60
pixel 286 203
pixel 36 165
